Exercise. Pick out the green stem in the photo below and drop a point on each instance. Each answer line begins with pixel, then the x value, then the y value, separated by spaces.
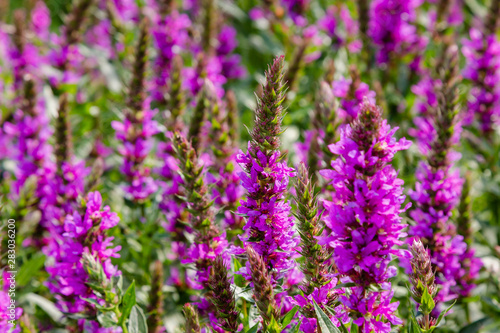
pixel 119 315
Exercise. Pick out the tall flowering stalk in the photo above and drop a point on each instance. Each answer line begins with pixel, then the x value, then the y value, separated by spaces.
pixel 320 274
pixel 84 235
pixel 60 193
pixel 482 52
pixel 227 190
pixel 192 320
pixel 423 289
pixel 155 308
pixel 438 187
pixel 208 241
pixel 137 129
pixel 263 289
pixel 269 223
pixel 364 216
pixel 471 264
pixel 222 296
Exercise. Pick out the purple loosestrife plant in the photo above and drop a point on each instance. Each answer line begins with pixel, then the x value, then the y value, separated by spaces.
pixel 83 235
pixel 171 205
pixel 423 289
pixel 227 190
pixel 263 290
pixel 364 220
pixel 192 321
pixel 222 296
pixel 269 224
pixel 156 298
pixel 137 129
pixel 320 274
pixel 208 241
pixel 438 187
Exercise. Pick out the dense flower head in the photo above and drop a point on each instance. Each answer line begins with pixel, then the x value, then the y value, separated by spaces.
pixel 422 275
pixel 440 191
pixel 391 29
pixel 483 70
pixel 269 111
pixel 364 216
pixel 321 277
pixel 208 241
pixel 83 234
pixel 269 223
pixel 59 193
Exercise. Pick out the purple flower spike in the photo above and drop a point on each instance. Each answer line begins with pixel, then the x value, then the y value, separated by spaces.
pixel 439 185
pixel 83 235
pixel 269 224
pixel 364 216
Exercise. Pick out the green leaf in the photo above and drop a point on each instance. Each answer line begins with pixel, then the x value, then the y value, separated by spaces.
pixel 345 285
pixel 30 269
pixel 475 326
pixel 127 303
pixel 47 306
pixel 239 280
pixel 343 329
pixel 413 326
pixel 137 321
pixel 107 319
pixel 427 303
pixel 289 316
pixel 324 322
pixel 443 313
pixel 253 329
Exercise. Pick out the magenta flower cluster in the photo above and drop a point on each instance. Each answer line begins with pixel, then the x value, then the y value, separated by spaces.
pixel 268 215
pixel 364 216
